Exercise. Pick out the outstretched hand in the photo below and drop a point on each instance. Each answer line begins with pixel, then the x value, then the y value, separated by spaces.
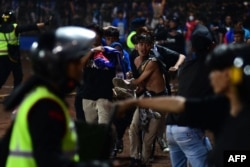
pixel 173 69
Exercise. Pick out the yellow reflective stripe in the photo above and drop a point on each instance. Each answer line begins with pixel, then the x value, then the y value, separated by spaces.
pixel 17 153
pixel 4 53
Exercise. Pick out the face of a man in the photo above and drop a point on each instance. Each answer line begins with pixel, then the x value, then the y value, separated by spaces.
pixel 172 24
pixel 109 40
pixel 143 48
pixel 238 38
pixel 220 80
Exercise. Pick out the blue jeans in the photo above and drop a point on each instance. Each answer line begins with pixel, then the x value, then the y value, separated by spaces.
pixel 187 145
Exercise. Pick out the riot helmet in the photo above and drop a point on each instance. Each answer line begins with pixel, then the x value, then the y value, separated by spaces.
pixel 236 58
pixel 8 17
pixel 53 51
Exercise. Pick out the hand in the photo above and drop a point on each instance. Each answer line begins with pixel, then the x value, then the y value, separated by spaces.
pixel 98 49
pixel 173 69
pixel 107 27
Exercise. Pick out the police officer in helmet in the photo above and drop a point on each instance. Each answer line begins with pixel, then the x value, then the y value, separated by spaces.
pixel 9 46
pixel 42 133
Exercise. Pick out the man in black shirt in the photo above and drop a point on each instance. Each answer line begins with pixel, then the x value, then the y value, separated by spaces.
pixel 171 37
pixel 97 82
pixel 193 83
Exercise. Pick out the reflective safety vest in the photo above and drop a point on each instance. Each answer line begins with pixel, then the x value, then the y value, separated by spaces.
pixel 130 44
pixel 12 39
pixel 20 147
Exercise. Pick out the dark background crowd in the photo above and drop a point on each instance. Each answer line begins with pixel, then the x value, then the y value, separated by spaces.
pixel 84 12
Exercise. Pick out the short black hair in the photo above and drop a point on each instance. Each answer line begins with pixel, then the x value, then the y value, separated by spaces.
pixel 95 27
pixel 111 32
pixel 239 31
pixel 145 36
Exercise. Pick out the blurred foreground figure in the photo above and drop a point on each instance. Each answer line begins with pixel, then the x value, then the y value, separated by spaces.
pixel 42 133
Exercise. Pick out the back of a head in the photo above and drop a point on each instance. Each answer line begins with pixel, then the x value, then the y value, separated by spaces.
pixel 236 57
pixel 138 22
pixel 97 28
pixel 201 39
pixel 111 32
pixel 53 51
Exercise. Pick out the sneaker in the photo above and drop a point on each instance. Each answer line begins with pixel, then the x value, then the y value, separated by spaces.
pixel 119 146
pixel 118 82
pixel 166 149
pixel 163 144
pixel 113 154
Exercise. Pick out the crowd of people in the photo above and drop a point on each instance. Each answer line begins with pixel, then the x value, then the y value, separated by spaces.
pixel 129 52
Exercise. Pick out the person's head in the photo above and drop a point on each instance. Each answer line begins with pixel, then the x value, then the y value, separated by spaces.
pixel 99 33
pixel 173 22
pixel 144 42
pixel 120 14
pixel 237 23
pixel 201 40
pixel 111 34
pixel 228 20
pixel 138 23
pixel 239 35
pixel 230 71
pixel 8 17
pixel 191 16
pixel 55 57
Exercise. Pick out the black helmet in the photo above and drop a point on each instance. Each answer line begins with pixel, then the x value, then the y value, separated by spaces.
pixel 53 50
pixel 236 57
pixel 221 57
pixel 8 17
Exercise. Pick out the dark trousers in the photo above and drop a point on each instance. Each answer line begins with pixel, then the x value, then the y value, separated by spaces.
pixel 6 67
pixel 121 124
pixel 79 108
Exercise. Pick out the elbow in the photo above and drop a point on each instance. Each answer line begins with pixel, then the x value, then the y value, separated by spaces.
pixel 182 57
